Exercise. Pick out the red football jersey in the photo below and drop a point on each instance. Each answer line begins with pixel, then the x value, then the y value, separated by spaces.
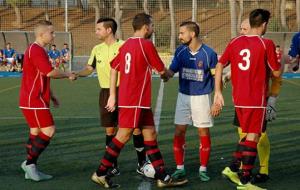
pixel 251 58
pixel 35 86
pixel 135 61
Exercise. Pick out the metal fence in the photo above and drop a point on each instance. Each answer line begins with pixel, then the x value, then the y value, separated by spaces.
pixel 78 17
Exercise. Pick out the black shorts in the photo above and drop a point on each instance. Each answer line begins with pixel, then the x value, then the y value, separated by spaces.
pixel 236 122
pixel 107 119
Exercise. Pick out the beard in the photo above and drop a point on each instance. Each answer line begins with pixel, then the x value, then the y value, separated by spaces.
pixel 148 35
pixel 186 42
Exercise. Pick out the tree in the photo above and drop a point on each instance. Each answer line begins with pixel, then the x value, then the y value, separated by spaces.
pixel 241 12
pixel 194 11
pixel 95 5
pixel 283 15
pixel 233 19
pixel 173 26
pixel 118 16
pixel 145 6
pixel 161 6
pixel 47 17
pixel 15 5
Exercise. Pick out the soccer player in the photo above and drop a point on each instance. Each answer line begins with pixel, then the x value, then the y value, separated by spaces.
pixel 54 56
pixel 135 61
pixel 195 63
pixel 252 59
pixel 35 96
pixel 294 52
pixel 100 59
pixel 263 146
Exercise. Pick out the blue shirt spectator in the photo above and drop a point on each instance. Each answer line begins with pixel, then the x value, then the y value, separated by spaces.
pixel 9 52
pixel 53 53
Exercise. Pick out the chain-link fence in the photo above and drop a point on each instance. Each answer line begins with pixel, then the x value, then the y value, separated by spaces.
pixel 78 17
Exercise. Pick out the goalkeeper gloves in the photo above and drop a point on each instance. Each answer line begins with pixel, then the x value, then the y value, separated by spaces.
pixel 271 111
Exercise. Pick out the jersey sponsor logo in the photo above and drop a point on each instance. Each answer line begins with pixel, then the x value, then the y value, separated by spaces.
pixel 192 74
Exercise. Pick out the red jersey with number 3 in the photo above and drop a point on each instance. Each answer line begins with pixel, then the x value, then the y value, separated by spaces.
pixel 135 61
pixel 251 58
pixel 35 87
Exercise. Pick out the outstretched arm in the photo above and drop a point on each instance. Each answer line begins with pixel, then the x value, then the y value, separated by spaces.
pixel 85 72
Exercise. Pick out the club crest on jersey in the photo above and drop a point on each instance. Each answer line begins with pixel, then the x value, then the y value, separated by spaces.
pixel 200 64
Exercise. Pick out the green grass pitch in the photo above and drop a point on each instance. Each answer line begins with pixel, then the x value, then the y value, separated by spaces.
pixel 78 145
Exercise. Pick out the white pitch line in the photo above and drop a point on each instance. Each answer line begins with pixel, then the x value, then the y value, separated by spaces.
pixel 10 88
pixel 158 106
pixel 95 117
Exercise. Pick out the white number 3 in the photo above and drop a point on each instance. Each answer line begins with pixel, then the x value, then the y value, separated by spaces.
pixel 245 53
pixel 127 62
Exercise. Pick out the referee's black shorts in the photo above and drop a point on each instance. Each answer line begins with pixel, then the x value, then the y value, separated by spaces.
pixel 107 119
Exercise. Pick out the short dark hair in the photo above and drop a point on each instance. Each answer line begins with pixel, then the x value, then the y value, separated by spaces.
pixel 109 23
pixel 53 45
pixel 191 26
pixel 259 16
pixel 140 20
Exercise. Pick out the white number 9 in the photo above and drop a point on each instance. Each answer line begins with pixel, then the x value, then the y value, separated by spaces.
pixel 127 62
pixel 245 53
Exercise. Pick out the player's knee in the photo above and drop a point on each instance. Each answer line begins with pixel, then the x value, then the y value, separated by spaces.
pixel 137 131
pixel 49 131
pixel 180 131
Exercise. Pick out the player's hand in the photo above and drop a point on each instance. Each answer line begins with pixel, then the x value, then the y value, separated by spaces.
pixel 166 75
pixel 218 99
pixel 55 101
pixel 111 104
pixel 215 110
pixel 271 111
pixel 72 76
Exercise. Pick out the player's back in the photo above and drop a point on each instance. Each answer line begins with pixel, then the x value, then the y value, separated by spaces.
pixel 135 61
pixel 135 73
pixel 249 57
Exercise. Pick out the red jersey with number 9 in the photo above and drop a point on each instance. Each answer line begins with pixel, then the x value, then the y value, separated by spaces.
pixel 251 58
pixel 135 61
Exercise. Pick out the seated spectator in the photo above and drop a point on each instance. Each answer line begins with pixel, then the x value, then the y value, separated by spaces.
pixel 65 53
pixel 1 58
pixel 54 56
pixel 9 55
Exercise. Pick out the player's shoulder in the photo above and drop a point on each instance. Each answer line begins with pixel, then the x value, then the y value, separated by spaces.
pixel 268 41
pixel 208 49
pixel 120 42
pixel 180 49
pixel 98 48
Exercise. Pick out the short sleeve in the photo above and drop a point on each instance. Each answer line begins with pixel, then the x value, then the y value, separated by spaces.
pixel 175 65
pixel 272 57
pixel 225 58
pixel 152 56
pixel 92 59
pixel 39 58
pixel 115 63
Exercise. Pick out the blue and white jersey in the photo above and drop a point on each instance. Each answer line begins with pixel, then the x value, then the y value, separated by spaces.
pixel 9 53
pixel 295 46
pixel 64 52
pixel 194 69
pixel 53 54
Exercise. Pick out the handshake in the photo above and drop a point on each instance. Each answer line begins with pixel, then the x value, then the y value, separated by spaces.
pixel 166 75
